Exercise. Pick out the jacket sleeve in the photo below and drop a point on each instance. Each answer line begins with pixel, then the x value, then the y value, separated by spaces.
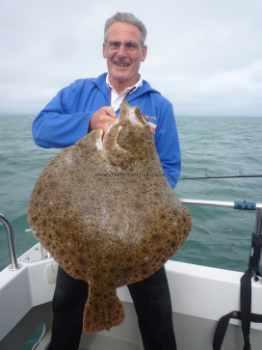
pixel 59 124
pixel 167 144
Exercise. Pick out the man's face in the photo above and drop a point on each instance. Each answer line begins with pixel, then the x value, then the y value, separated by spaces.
pixel 124 52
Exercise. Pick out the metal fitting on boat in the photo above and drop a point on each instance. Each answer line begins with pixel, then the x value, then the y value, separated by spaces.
pixel 11 242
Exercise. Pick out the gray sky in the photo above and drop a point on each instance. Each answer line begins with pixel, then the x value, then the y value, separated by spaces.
pixel 205 55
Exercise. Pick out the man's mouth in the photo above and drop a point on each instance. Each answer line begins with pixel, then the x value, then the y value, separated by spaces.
pixel 122 64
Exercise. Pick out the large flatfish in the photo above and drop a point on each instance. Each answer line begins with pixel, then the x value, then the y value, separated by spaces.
pixel 105 212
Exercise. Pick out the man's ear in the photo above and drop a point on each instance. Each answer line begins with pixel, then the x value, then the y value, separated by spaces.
pixel 104 50
pixel 144 54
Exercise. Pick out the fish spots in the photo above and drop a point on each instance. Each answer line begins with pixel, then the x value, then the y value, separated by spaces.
pixel 109 218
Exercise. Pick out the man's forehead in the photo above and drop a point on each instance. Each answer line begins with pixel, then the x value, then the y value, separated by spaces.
pixel 120 30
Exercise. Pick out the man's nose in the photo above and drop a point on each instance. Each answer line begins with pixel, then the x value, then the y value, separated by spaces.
pixel 122 50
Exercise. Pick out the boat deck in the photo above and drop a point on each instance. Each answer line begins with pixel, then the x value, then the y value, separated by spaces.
pixel 95 343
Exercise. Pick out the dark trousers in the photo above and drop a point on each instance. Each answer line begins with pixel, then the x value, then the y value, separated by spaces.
pixel 152 304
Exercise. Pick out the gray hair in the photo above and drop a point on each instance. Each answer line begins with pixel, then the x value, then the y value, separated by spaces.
pixel 129 18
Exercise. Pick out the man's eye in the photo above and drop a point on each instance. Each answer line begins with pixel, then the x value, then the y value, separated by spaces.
pixel 131 45
pixel 114 45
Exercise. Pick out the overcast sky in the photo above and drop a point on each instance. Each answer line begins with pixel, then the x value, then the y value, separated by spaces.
pixel 205 55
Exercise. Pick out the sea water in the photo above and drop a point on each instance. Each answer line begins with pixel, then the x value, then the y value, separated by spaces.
pixel 210 146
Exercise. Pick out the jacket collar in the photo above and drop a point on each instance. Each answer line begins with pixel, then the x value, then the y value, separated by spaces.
pixel 101 84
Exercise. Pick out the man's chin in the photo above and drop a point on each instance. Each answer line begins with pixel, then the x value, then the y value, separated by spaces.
pixel 120 78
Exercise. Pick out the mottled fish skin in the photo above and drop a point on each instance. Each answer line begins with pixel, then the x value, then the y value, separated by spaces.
pixel 105 212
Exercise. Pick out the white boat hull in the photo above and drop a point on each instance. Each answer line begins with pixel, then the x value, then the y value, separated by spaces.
pixel 200 296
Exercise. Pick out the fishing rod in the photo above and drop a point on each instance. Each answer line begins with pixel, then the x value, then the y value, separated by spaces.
pixel 207 177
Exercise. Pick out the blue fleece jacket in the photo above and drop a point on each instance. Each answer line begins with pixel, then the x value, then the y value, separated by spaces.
pixel 66 118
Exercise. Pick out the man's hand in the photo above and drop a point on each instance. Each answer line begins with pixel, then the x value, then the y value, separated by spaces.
pixel 103 118
pixel 152 127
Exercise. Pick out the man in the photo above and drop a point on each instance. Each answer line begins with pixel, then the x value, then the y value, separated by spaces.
pixel 89 104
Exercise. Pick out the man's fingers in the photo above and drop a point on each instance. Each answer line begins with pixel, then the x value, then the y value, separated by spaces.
pixel 109 111
pixel 107 121
pixel 103 118
pixel 152 127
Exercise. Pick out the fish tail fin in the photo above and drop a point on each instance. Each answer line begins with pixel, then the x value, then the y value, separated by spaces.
pixel 103 310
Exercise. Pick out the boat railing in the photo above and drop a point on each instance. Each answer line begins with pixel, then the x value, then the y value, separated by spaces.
pixel 238 204
pixel 11 242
